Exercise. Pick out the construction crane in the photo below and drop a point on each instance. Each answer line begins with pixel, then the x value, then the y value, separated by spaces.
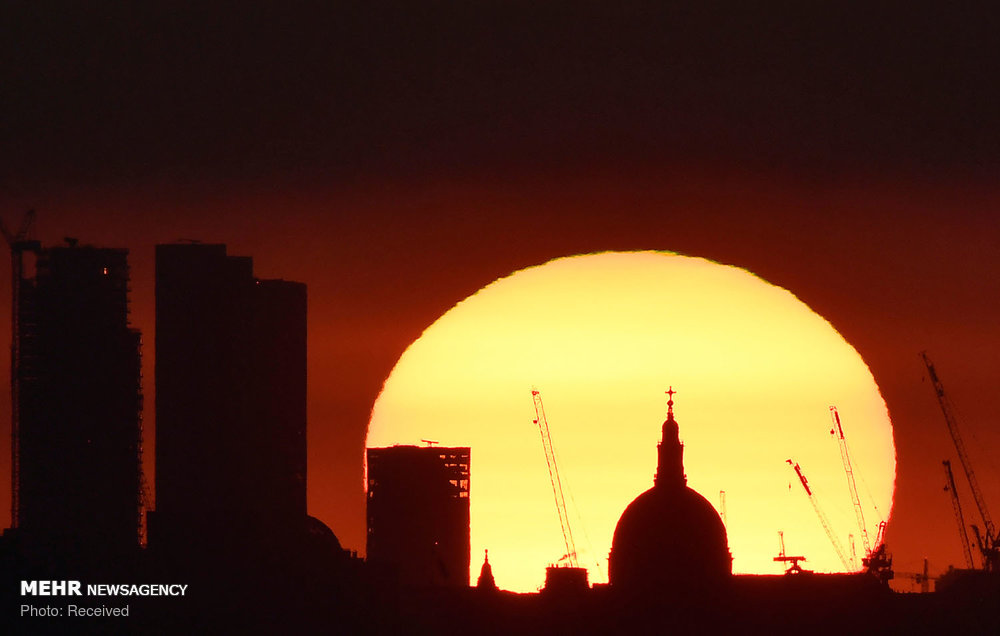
pixel 19 243
pixel 838 432
pixel 876 561
pixel 854 552
pixel 557 489
pixel 979 542
pixel 949 486
pixel 794 568
pixel 990 544
pixel 920 578
pixel 822 517
pixel 880 534
pixel 879 562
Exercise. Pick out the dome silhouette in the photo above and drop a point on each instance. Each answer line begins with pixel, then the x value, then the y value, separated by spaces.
pixel 669 538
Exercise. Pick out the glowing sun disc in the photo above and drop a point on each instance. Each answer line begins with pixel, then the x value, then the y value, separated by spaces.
pixel 602 336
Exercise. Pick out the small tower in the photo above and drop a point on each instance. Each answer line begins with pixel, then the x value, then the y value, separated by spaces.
pixel 486 581
pixel 670 451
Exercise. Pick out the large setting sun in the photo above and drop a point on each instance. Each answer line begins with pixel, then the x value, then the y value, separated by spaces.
pixel 602 337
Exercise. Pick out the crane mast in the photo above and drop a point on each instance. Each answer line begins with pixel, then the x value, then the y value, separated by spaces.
pixel 794 568
pixel 19 243
pixel 854 552
pixel 990 545
pixel 956 437
pixel 557 489
pixel 838 432
pixel 879 562
pixel 963 534
pixel 822 517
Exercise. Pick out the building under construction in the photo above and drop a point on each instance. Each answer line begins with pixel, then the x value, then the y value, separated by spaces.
pixel 76 429
pixel 418 514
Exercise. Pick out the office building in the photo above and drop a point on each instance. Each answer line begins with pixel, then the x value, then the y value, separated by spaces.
pixel 230 405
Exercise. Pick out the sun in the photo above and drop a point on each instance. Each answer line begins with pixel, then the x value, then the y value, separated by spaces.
pixel 601 337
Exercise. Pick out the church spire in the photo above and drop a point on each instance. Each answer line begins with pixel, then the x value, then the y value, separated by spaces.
pixel 486 581
pixel 670 451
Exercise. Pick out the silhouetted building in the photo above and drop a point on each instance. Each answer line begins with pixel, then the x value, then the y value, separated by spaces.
pixel 77 433
pixel 564 581
pixel 486 580
pixel 418 513
pixel 230 404
pixel 669 538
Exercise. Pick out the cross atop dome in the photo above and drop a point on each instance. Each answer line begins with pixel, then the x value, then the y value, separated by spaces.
pixel 670 402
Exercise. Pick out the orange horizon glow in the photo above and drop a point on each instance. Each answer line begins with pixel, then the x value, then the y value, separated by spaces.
pixel 602 336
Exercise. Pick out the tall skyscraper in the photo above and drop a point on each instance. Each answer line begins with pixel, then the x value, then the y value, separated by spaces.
pixel 77 434
pixel 230 404
pixel 418 513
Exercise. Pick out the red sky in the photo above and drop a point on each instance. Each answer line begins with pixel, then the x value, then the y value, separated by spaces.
pixel 398 158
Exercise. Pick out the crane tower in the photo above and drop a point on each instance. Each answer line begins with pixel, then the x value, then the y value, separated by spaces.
pixel 957 505
pixel 19 243
pixel 819 513
pixel 557 489
pixel 838 432
pixel 989 543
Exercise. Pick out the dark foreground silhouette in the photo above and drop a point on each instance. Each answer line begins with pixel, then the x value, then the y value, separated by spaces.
pixel 314 587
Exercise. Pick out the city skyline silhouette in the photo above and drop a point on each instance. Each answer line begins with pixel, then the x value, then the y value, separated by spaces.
pixel 252 543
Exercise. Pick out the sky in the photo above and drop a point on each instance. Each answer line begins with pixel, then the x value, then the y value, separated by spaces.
pixel 397 157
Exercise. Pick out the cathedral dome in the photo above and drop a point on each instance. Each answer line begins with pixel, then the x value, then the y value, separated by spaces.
pixel 669 537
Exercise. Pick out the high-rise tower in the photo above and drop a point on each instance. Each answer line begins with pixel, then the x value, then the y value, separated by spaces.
pixel 76 380
pixel 230 404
